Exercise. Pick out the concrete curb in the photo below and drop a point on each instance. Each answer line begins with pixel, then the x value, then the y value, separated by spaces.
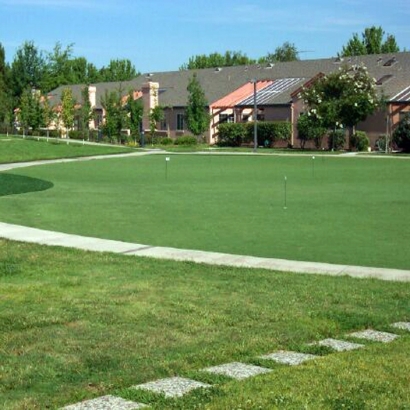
pixel 50 238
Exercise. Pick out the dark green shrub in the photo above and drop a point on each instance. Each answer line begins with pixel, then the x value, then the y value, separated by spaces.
pixel 401 135
pixel 310 130
pixel 359 141
pixel 231 134
pixel 269 132
pixel 166 141
pixel 75 135
pixel 187 140
pixel 337 140
pixel 380 144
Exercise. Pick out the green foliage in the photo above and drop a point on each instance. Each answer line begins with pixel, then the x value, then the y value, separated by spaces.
pixel 166 141
pixel 310 129
pixel 401 135
pixel 231 134
pixel 371 43
pixel 186 140
pixel 337 140
pixel 213 60
pixel 234 134
pixel 359 141
pixel 286 52
pixel 31 113
pixel 196 114
pixel 155 116
pixel 67 108
pixel 115 115
pixel 135 111
pixel 118 70
pixel 342 98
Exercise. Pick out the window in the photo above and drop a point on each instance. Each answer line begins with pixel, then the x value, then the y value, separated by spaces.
pixel 163 125
pixel 384 79
pixel 180 122
pixel 226 118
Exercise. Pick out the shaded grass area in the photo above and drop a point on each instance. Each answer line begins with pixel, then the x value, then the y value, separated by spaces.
pixel 16 184
pixel 338 210
pixel 14 149
pixel 77 325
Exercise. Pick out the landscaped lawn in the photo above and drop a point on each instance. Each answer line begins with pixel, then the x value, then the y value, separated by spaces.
pixel 77 325
pixel 338 210
pixel 13 149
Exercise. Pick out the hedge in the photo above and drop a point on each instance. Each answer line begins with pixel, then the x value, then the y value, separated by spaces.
pixel 235 134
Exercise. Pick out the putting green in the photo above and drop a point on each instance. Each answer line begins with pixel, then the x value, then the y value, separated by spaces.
pixel 328 209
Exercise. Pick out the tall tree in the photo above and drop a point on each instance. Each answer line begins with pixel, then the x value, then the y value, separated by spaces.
pixel 213 60
pixel 135 111
pixel 67 109
pixel 85 112
pixel 286 52
pixel 27 69
pixel 342 98
pixel 372 42
pixel 115 114
pixel 5 101
pixel 197 116
pixel 31 110
pixel 118 70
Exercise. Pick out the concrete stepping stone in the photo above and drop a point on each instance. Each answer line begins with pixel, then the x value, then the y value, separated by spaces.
pixel 237 370
pixel 339 345
pixel 402 325
pixel 374 335
pixel 172 386
pixel 106 403
pixel 287 357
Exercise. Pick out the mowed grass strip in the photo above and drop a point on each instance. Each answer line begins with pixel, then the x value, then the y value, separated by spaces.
pixel 77 325
pixel 338 210
pixel 14 149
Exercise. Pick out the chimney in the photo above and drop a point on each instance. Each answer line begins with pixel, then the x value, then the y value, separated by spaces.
pixel 92 92
pixel 150 100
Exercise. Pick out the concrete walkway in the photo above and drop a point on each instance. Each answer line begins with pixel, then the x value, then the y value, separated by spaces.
pixel 43 237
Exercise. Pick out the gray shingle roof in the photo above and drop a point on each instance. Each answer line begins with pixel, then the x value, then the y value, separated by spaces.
pixel 217 83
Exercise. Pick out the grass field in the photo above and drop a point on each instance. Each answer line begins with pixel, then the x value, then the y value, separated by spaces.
pixel 13 149
pixel 338 210
pixel 77 325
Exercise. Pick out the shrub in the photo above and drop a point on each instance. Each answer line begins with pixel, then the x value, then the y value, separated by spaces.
pixel 187 140
pixel 401 135
pixel 359 141
pixel 337 140
pixel 269 132
pixel 231 134
pixel 166 141
pixel 310 130
pixel 75 135
pixel 380 144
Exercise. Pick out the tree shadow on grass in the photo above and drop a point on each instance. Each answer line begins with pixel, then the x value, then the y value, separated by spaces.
pixel 18 184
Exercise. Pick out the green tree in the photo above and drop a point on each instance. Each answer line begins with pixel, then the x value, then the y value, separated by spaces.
pixel 342 98
pixel 27 69
pixel 67 109
pixel 213 60
pixel 85 112
pixel 372 42
pixel 286 52
pixel 156 115
pixel 310 129
pixel 401 135
pixel 197 116
pixel 135 111
pixel 118 70
pixel 5 100
pixel 115 114
pixel 31 110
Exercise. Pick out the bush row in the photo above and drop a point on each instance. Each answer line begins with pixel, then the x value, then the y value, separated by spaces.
pixel 236 134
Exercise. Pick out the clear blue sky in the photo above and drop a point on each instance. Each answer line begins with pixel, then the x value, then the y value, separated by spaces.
pixel 161 35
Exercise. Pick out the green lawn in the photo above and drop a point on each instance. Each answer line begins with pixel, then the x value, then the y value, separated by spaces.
pixel 338 210
pixel 14 149
pixel 77 325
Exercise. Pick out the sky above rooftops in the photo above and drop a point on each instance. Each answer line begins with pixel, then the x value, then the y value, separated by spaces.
pixel 161 35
